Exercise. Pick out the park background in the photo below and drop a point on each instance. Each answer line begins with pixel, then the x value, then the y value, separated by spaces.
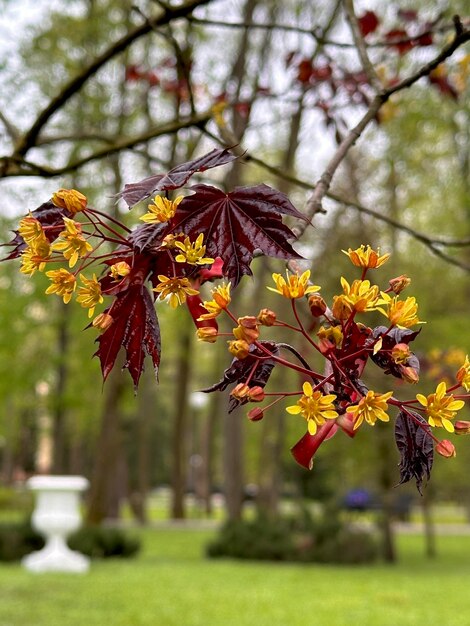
pixel 169 464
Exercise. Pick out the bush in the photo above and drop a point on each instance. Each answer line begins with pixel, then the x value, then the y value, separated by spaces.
pixel 100 542
pixel 301 539
pixel 18 540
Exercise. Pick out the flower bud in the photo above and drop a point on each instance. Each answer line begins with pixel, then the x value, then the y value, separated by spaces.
pixel 120 269
pixel 446 448
pixel 409 374
pixel 462 427
pixel 255 414
pixel 401 353
pixel 239 348
pixel 341 309
pixel 317 305
pixel 266 317
pixel 207 334
pixel 245 333
pixel 103 321
pixel 399 283
pixel 256 394
pixel 240 391
pixel 69 199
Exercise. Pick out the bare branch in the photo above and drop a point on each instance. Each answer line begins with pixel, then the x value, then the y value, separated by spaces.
pixel 360 46
pixel 314 203
pixel 28 140
pixel 20 167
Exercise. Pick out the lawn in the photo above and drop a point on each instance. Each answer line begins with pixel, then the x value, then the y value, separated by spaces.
pixel 171 584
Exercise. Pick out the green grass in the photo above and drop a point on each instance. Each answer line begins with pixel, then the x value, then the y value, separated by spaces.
pixel 171 584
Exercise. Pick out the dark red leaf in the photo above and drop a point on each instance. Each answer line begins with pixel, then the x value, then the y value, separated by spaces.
pixel 441 81
pixel 148 237
pixel 390 339
pixel 426 39
pixel 240 369
pixel 235 224
pixel 49 216
pixel 135 328
pixel 407 15
pixel 304 70
pixel 175 178
pixel 416 449
pixel 368 23
pixel 400 40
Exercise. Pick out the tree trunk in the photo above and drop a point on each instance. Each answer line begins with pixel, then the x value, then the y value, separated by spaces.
pixel 103 494
pixel 180 421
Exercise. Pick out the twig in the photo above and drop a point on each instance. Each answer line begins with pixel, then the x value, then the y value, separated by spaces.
pixel 361 46
pixel 28 140
pixel 314 203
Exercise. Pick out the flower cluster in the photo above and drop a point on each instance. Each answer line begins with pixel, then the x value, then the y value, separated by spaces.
pixel 339 398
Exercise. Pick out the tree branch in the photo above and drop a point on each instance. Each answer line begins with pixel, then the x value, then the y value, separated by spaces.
pixel 361 46
pixel 28 140
pixel 314 203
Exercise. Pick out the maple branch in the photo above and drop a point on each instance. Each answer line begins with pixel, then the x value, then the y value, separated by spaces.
pixel 28 140
pixel 13 166
pixel 314 203
pixel 361 46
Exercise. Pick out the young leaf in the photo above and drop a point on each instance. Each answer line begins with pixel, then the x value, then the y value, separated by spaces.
pixel 175 178
pixel 416 449
pixel 368 23
pixel 135 328
pixel 236 224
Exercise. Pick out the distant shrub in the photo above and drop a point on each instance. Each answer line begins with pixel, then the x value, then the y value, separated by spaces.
pixel 302 539
pixel 18 540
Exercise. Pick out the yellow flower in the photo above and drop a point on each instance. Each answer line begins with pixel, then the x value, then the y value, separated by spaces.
pixel 314 407
pixel 162 210
pixel 35 256
pixel 120 269
pixel 63 283
pixel 333 334
pixel 463 375
pixel 30 229
pixel 401 313
pixel 365 257
pixel 371 407
pixel 295 287
pixel 73 245
pixel 70 199
pixel 89 295
pixel 222 299
pixel 192 253
pixel 440 407
pixel 177 288
pixel 360 295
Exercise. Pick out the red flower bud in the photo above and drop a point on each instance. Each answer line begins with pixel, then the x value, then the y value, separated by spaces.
pixel 266 317
pixel 255 414
pixel 399 283
pixel 462 427
pixel 446 448
pixel 256 394
pixel 317 305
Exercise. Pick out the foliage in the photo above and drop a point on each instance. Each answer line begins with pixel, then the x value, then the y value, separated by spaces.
pixel 302 538
pixel 17 540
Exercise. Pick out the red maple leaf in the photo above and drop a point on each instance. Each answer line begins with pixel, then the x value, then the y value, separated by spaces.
pixel 175 178
pixel 368 23
pixel 235 224
pixel 135 328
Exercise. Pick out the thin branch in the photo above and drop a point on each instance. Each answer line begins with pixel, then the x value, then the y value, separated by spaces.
pixel 20 167
pixel 314 203
pixel 10 128
pixel 361 46
pixel 28 140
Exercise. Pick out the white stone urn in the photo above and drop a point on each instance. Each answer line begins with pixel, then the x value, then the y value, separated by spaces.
pixel 56 516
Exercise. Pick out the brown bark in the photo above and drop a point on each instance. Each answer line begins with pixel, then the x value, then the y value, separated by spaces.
pixel 103 493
